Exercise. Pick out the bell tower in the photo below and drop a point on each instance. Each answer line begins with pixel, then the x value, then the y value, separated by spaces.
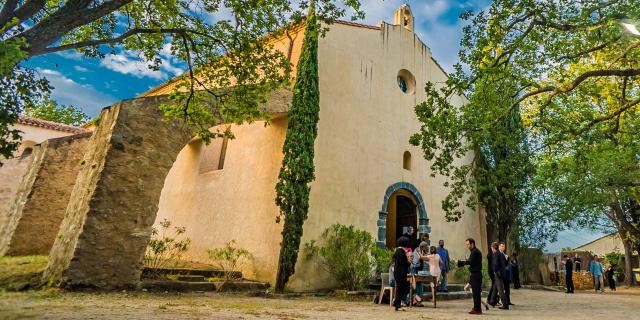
pixel 404 17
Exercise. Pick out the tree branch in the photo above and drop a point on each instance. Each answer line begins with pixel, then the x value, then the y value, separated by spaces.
pixel 570 27
pixel 608 116
pixel 596 48
pixel 73 14
pixel 590 74
pixel 28 10
pixel 120 39
pixel 575 83
pixel 7 12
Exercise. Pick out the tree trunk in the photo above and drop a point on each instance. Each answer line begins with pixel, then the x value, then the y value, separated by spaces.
pixel 491 233
pixel 628 256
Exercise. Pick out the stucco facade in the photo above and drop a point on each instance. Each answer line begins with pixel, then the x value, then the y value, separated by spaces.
pixel 604 245
pixel 360 155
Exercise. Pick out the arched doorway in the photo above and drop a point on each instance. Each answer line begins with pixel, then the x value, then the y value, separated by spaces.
pixel 402 214
pixel 402 207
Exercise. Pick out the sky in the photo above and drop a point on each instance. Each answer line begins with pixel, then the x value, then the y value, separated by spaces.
pixel 92 84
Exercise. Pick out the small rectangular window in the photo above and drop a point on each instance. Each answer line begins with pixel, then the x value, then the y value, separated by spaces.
pixel 212 156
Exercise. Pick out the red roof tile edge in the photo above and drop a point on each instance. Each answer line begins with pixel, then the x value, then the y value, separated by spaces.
pixel 34 122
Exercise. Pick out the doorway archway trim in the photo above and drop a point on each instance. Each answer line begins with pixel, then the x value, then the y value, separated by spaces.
pixel 423 220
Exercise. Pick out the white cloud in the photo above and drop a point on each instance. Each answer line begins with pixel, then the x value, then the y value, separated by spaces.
pixel 132 63
pixel 127 64
pixel 432 10
pixel 83 96
pixel 80 68
pixel 70 54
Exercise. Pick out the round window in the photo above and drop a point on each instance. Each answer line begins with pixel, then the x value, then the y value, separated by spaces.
pixel 402 84
pixel 406 81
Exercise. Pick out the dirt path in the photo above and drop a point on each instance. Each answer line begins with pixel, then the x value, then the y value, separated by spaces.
pixel 530 304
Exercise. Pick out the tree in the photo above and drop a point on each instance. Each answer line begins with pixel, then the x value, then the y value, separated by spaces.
pixel 502 171
pixel 575 72
pixel 297 171
pixel 231 62
pixel 48 109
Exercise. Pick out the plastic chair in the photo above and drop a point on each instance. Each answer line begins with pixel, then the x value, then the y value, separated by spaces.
pixel 384 287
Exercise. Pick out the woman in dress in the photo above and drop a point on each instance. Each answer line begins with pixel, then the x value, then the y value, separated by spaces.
pixel 610 276
pixel 434 263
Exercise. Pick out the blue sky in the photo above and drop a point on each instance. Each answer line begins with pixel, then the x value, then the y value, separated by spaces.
pixel 92 84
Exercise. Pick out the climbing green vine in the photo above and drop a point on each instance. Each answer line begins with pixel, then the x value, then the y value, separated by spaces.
pixel 297 171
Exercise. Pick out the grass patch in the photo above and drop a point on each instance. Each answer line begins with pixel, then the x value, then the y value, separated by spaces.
pixel 20 273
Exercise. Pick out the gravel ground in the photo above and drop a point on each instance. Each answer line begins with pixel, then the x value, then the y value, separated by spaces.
pixel 530 304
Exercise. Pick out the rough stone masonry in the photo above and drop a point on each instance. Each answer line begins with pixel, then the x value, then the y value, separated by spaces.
pixel 114 202
pixel 38 207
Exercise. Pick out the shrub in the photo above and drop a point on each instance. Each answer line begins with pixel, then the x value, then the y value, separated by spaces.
pixel 383 258
pixel 165 247
pixel 349 255
pixel 617 259
pixel 229 259
pixel 462 273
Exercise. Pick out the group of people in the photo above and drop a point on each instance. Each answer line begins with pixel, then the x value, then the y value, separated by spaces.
pixel 414 256
pixel 595 268
pixel 502 271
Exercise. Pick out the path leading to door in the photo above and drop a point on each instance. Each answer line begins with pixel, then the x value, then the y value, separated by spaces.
pixel 531 304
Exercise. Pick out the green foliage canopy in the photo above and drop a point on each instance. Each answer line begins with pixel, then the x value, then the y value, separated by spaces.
pixel 230 61
pixel 48 109
pixel 572 72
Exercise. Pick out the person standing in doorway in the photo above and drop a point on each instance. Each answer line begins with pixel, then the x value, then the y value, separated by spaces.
pixel 474 261
pixel 444 268
pixel 568 273
pixel 413 238
pixel 515 271
pixel 595 268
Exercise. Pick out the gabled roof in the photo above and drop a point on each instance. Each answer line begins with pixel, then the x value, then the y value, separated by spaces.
pixel 598 239
pixel 341 22
pixel 35 122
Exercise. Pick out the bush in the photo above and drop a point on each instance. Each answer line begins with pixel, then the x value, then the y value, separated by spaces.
pixel 383 258
pixel 349 255
pixel 462 273
pixel 229 259
pixel 165 248
pixel 617 259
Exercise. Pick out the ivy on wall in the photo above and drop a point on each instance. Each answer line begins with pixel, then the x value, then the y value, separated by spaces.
pixel 297 171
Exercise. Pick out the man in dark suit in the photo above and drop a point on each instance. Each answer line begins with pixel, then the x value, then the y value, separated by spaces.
pixel 491 298
pixel 507 282
pixel 474 261
pixel 499 269
pixel 568 273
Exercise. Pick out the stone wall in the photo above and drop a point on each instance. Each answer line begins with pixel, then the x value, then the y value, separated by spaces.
pixel 11 173
pixel 38 207
pixel 113 205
